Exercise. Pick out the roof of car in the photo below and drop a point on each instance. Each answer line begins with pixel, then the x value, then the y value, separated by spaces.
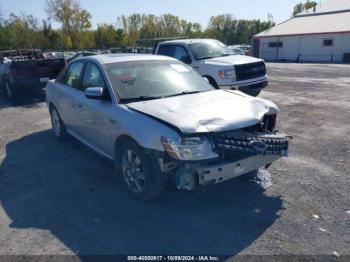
pixel 187 41
pixel 116 58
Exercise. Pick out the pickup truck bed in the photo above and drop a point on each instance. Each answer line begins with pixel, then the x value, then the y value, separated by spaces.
pixel 26 69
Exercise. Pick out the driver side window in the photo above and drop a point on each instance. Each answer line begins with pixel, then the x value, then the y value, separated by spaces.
pixel 93 77
pixel 181 54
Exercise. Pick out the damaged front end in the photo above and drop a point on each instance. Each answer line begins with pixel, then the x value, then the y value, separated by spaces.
pixel 219 156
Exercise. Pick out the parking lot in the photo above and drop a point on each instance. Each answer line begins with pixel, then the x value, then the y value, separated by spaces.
pixel 62 198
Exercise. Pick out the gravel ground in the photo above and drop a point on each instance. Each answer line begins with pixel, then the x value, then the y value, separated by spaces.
pixel 62 198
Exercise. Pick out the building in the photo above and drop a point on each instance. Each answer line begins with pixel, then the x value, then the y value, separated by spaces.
pixel 321 35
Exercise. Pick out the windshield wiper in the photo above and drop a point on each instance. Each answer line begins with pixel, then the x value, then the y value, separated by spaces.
pixel 206 57
pixel 139 98
pixel 185 93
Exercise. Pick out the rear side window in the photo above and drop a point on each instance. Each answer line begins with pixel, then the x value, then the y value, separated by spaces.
pixel 72 75
pixel 93 77
pixel 165 50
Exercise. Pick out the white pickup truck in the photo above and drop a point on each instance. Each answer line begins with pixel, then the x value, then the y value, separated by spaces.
pixel 216 62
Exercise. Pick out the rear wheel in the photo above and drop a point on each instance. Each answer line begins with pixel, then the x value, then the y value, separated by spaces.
pixel 139 171
pixel 58 127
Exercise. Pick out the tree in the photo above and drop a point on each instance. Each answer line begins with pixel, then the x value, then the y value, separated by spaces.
pixel 298 9
pixel 310 4
pixel 132 25
pixel 221 26
pixel 107 36
pixel 189 29
pixel 301 7
pixel 171 25
pixel 21 31
pixel 74 20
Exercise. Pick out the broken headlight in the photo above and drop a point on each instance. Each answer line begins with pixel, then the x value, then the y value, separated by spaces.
pixel 189 149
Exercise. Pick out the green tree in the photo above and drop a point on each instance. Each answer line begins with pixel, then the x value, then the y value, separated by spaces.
pixel 189 29
pixel 221 26
pixel 107 36
pixel 21 31
pixel 310 4
pixel 301 7
pixel 74 20
pixel 298 8
pixel 132 25
pixel 171 25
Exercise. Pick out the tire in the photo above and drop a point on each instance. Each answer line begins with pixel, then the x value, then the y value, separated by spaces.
pixel 212 82
pixel 254 92
pixel 140 172
pixel 58 127
pixel 10 91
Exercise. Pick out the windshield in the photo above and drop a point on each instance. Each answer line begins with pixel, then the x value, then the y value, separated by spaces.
pixel 141 80
pixel 209 49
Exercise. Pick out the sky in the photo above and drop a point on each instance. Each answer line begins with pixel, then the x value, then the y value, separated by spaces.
pixel 107 11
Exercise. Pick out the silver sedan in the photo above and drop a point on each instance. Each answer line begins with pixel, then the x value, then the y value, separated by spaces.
pixel 159 121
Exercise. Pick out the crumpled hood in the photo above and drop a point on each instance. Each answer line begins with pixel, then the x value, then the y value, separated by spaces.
pixel 218 110
pixel 232 60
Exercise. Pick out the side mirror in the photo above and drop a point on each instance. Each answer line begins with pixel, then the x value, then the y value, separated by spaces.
pixel 95 93
pixel 186 60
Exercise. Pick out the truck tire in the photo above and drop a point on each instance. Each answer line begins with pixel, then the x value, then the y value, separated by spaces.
pixel 140 172
pixel 254 92
pixel 58 127
pixel 212 82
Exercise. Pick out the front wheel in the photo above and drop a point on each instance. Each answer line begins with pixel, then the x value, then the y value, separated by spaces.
pixel 254 92
pixel 212 82
pixel 140 172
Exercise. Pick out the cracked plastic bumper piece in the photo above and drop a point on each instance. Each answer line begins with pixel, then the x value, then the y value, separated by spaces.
pixel 221 172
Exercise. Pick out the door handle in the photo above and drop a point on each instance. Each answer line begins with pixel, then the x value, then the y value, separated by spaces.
pixel 80 106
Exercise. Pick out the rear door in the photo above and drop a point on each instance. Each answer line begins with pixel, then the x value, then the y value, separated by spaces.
pixel 68 95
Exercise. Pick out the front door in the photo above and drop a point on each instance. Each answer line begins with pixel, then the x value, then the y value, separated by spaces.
pixel 96 125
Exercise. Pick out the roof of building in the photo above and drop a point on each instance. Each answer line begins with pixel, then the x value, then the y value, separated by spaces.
pixel 331 17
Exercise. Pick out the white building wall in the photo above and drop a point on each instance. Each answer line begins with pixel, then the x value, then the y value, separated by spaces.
pixel 306 47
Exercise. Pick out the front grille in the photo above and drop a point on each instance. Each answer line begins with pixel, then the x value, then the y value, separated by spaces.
pixel 248 142
pixel 249 71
